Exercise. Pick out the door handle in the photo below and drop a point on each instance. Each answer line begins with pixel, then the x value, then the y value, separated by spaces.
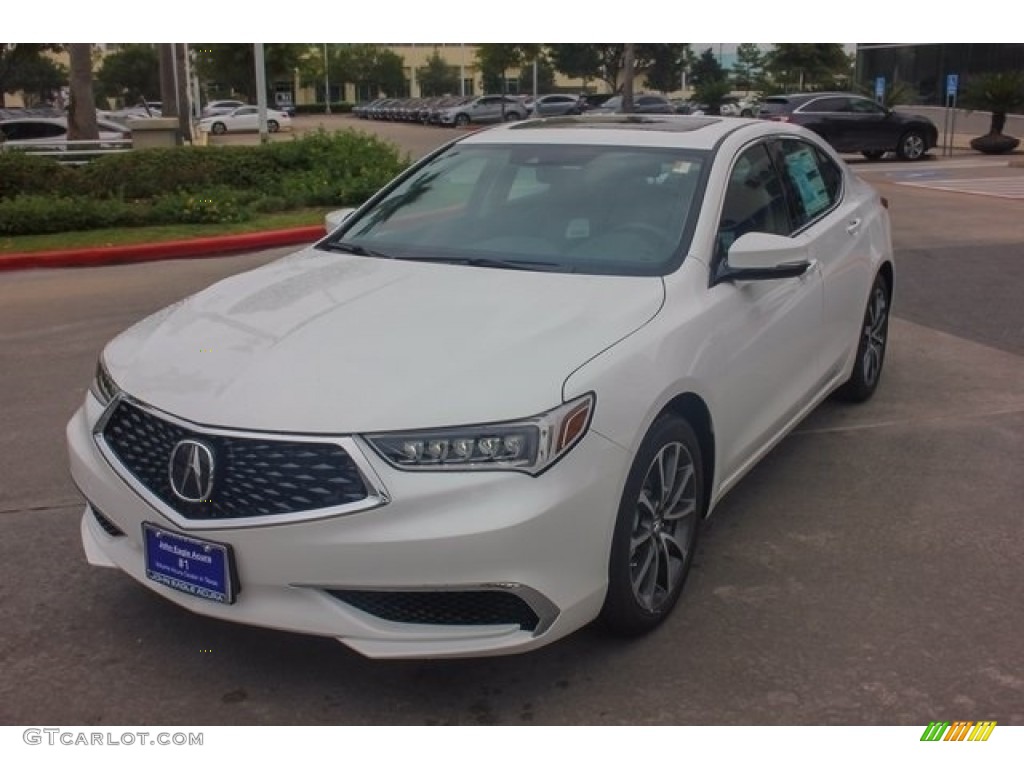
pixel 853 226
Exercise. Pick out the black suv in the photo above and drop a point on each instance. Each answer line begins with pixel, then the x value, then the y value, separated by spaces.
pixel 854 123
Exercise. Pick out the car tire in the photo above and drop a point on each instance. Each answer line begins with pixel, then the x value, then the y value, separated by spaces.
pixel 873 154
pixel 461 120
pixel 912 146
pixel 513 115
pixel 273 126
pixel 747 113
pixel 874 336
pixel 656 529
pixel 218 128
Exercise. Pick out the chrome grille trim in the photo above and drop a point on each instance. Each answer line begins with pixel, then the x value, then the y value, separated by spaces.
pixel 376 494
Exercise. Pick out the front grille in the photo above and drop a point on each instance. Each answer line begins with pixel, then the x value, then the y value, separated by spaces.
pixel 473 608
pixel 105 523
pixel 251 477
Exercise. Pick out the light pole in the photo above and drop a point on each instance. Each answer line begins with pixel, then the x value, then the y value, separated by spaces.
pixel 327 83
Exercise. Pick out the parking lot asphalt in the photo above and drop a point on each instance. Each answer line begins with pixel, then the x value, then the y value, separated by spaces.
pixel 867 572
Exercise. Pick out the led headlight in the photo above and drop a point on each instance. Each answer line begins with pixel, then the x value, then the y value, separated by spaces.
pixel 103 386
pixel 531 445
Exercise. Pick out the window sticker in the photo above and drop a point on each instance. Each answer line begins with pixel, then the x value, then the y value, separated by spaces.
pixel 803 170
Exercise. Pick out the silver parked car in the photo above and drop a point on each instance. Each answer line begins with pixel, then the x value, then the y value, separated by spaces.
pixel 557 104
pixel 485 109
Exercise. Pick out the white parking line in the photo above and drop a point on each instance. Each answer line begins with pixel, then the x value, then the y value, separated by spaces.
pixel 1009 188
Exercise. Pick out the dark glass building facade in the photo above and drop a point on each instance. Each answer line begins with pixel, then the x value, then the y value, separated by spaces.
pixel 923 67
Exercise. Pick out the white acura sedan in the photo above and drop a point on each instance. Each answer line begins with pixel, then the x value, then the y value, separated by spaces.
pixel 495 403
pixel 244 119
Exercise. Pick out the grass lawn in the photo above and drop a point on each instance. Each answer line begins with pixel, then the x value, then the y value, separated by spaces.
pixel 132 236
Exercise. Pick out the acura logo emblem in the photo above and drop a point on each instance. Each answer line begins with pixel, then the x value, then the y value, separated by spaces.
pixel 191 471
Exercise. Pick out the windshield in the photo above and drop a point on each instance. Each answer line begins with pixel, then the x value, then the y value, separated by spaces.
pixel 554 207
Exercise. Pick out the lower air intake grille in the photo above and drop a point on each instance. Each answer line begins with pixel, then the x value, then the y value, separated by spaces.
pixel 472 608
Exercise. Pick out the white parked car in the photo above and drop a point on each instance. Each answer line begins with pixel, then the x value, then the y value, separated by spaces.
pixel 245 119
pixel 495 403
pixel 221 107
pixel 51 133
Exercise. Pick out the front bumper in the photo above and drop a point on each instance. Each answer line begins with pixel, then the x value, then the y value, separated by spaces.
pixel 544 540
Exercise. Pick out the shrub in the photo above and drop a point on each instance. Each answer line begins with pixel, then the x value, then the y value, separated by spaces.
pixel 193 184
pixel 24 173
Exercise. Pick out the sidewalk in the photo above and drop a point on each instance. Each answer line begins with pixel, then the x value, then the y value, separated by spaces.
pixel 199 247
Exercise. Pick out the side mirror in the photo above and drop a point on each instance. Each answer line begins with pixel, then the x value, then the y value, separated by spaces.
pixel 763 256
pixel 334 219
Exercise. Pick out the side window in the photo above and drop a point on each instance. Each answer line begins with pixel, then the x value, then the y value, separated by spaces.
pixel 754 200
pixel 827 104
pixel 814 178
pixel 865 107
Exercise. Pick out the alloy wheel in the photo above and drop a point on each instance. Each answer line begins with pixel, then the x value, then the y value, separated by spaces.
pixel 662 535
pixel 875 331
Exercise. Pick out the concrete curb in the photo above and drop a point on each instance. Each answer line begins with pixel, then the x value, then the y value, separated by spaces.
pixel 199 247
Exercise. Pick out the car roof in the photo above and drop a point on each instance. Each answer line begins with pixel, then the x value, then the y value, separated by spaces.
pixel 688 131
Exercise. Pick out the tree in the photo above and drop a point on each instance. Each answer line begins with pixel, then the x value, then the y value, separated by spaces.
pixel 372 68
pixel 82 108
pixel 578 61
pixel 232 66
pixel 668 62
pixel 749 65
pixel 131 73
pixel 998 93
pixel 807 65
pixel 710 81
pixel 706 69
pixel 17 60
pixel 495 59
pixel 437 77
pixel 40 80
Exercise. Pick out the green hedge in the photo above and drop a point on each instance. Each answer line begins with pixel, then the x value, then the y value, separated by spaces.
pixel 193 184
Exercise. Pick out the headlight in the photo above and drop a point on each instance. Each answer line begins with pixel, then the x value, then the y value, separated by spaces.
pixel 531 445
pixel 103 386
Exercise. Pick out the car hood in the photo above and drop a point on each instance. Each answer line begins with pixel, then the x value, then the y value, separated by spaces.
pixel 323 342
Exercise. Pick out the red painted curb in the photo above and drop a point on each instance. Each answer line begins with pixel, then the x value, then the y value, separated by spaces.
pixel 199 247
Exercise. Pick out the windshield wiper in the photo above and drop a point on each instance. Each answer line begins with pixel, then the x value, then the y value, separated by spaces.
pixel 483 261
pixel 358 250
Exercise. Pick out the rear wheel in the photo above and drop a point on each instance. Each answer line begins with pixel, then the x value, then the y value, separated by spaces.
pixel 656 529
pixel 874 336
pixel 912 146
pixel 272 126
pixel 219 128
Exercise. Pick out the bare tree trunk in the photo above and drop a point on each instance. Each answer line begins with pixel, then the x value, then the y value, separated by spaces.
pixel 168 92
pixel 82 109
pixel 184 115
pixel 627 79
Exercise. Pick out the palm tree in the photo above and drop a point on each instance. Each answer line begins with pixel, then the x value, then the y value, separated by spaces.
pixel 82 109
pixel 998 93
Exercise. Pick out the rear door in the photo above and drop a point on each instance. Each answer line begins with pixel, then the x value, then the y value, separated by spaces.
pixel 835 221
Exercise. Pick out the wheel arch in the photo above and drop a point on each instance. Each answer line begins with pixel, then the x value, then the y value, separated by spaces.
pixel 692 407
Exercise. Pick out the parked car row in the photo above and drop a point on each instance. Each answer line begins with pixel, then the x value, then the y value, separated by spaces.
pixel 445 110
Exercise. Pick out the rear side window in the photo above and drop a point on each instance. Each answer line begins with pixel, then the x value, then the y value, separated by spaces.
pixel 25 131
pixel 814 179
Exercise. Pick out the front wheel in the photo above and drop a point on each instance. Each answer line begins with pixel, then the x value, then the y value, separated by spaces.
pixel 656 529
pixel 461 120
pixel 874 336
pixel 219 128
pixel 912 146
